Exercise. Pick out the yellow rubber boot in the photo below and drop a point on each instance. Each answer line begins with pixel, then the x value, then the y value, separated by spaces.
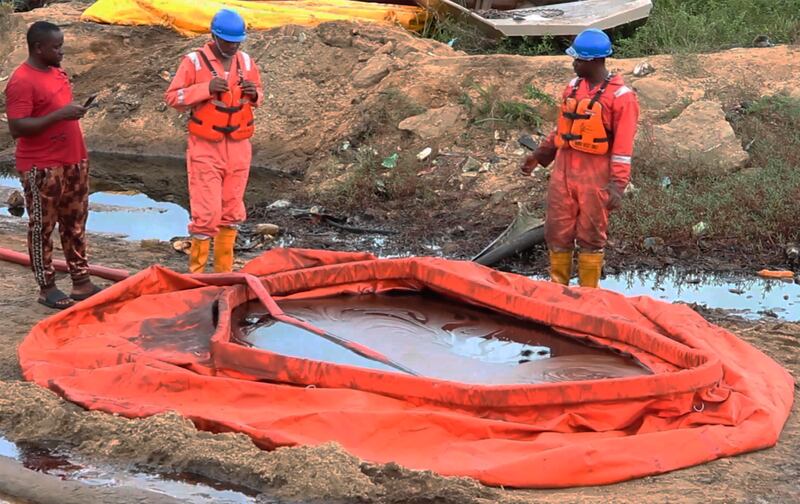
pixel 198 255
pixel 223 250
pixel 560 267
pixel 590 265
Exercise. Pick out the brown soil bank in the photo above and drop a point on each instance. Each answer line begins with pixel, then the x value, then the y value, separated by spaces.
pixel 343 96
pixel 326 473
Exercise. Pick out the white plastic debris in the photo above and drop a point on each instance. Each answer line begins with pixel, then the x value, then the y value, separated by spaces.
pixel 280 204
pixel 643 68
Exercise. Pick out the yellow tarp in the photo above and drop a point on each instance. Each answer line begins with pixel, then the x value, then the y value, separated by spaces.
pixel 193 17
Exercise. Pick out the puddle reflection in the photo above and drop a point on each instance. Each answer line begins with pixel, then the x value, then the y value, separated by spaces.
pixel 132 215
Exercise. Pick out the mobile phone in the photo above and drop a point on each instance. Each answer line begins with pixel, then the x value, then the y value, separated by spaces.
pixel 527 142
pixel 89 101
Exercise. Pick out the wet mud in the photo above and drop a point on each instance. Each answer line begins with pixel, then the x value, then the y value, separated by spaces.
pixel 434 337
pixel 180 487
pixel 29 486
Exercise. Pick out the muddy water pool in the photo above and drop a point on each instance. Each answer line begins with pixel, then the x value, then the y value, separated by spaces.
pixel 434 337
pixel 750 297
pixel 185 487
pixel 132 215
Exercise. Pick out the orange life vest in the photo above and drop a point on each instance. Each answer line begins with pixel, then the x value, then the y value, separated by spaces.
pixel 580 124
pixel 229 113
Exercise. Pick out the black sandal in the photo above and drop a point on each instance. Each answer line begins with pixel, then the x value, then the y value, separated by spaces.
pixel 56 300
pixel 81 297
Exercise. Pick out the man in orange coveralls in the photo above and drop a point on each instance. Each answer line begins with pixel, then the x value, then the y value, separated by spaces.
pixel 592 148
pixel 220 85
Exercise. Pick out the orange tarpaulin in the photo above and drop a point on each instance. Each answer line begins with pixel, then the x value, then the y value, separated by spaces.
pixel 160 341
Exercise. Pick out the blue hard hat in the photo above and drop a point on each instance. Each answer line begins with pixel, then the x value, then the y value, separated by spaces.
pixel 590 44
pixel 228 25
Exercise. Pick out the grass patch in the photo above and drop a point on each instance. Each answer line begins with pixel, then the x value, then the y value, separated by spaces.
pixel 23 5
pixel 674 27
pixel 681 26
pixel 6 9
pixel 393 106
pixel 388 110
pixel 753 206
pixel 8 170
pixel 674 111
pixel 457 33
pixel 359 182
pixel 532 92
pixel 770 126
pixel 29 5
pixel 533 46
pixel 367 183
pixel 489 109
pixel 757 206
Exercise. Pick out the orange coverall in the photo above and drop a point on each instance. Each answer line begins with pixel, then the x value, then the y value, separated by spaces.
pixel 577 197
pixel 217 171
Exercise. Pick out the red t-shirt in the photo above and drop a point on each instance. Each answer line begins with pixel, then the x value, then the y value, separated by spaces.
pixel 36 93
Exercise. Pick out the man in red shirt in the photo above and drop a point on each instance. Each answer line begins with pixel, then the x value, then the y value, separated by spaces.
pixel 52 162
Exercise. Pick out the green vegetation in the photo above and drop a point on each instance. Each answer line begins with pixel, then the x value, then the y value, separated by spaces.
pixel 674 111
pixel 6 9
pixel 674 27
pixel 681 26
pixel 532 92
pixel 389 108
pixel 489 108
pixel 367 182
pixel 457 33
pixel 757 205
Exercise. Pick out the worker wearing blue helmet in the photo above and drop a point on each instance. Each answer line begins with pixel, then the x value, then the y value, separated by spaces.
pixel 221 86
pixel 592 147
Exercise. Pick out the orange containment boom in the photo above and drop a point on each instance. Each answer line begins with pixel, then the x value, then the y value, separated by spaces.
pixel 161 341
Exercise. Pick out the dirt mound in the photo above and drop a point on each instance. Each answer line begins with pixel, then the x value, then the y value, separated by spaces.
pixel 307 78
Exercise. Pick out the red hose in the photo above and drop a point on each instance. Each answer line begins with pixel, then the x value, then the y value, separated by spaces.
pixel 99 271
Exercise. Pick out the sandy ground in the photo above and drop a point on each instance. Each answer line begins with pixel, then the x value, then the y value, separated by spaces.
pixel 326 473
